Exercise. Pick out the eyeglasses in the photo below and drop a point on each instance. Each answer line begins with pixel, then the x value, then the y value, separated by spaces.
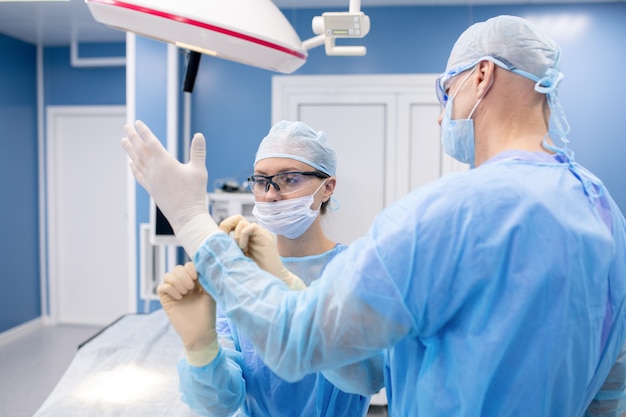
pixel 284 182
pixel 443 81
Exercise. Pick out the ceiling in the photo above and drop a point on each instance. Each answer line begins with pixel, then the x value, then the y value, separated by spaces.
pixel 57 23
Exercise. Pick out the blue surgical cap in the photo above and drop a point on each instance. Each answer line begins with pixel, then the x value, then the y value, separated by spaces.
pixel 514 44
pixel 298 141
pixel 513 41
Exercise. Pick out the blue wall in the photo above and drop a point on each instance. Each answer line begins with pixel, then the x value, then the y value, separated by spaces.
pixel 19 213
pixel 19 170
pixel 231 106
pixel 231 102
pixel 65 85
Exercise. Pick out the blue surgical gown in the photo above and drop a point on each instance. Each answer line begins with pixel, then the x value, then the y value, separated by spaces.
pixel 237 381
pixel 494 292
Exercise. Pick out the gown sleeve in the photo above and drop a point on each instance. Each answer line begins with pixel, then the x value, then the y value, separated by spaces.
pixel 218 388
pixel 343 319
pixel 365 377
pixel 611 399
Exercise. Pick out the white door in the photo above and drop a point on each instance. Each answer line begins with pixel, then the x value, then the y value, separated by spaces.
pixel 360 192
pixel 87 215
pixel 384 129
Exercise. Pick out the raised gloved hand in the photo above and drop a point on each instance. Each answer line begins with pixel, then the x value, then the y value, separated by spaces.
pixel 192 313
pixel 178 189
pixel 259 244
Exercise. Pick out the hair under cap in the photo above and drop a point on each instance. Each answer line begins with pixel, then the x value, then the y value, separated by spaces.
pixel 514 41
pixel 298 141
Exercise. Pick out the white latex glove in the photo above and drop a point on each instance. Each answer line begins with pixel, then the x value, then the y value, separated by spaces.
pixel 259 244
pixel 178 189
pixel 192 313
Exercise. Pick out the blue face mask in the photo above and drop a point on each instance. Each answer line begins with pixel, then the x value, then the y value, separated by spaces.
pixel 457 136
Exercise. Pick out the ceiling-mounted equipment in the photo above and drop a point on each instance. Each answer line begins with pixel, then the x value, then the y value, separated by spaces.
pixel 332 25
pixel 251 32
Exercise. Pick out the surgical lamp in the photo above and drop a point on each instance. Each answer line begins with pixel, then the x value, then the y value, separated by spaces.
pixel 251 32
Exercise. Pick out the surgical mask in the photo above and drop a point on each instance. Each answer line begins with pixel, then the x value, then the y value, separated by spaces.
pixel 289 218
pixel 457 136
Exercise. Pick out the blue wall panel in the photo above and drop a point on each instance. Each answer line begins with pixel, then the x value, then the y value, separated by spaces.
pixel 231 103
pixel 67 85
pixel 19 210
pixel 19 170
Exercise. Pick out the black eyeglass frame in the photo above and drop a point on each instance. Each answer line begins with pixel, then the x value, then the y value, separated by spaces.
pixel 268 178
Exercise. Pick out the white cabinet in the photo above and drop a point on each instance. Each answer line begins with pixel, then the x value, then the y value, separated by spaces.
pixel 223 205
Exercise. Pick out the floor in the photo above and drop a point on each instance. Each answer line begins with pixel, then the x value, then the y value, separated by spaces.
pixel 31 366
pixel 377 411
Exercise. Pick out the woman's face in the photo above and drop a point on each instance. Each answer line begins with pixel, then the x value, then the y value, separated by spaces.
pixel 273 166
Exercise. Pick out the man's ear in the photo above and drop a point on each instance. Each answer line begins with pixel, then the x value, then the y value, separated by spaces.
pixel 485 74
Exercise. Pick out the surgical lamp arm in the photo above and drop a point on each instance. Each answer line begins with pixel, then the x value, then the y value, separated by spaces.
pixel 333 25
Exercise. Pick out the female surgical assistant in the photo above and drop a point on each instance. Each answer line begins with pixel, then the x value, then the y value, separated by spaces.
pixel 293 181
